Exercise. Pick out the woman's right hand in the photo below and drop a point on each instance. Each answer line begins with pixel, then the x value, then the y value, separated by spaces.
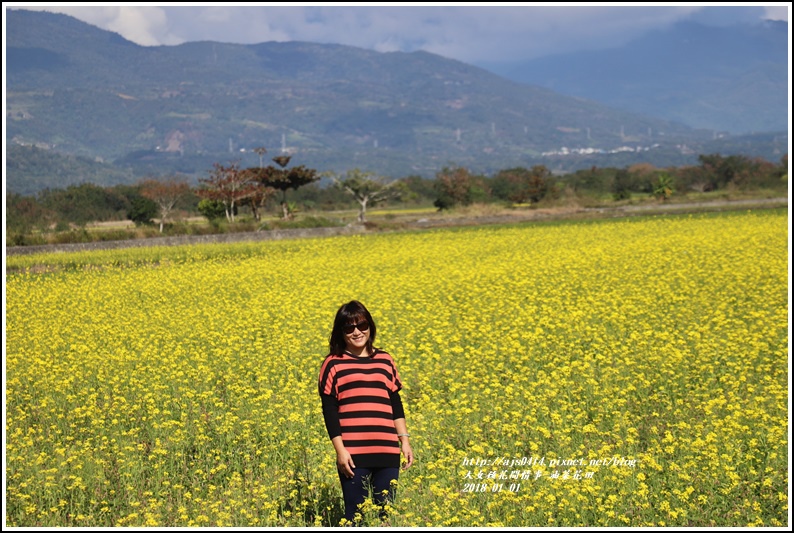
pixel 344 462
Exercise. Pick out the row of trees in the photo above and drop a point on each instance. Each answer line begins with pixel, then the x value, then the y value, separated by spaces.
pixel 714 172
pixel 229 188
pixel 232 187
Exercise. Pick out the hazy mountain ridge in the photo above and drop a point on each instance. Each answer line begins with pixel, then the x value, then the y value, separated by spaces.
pixel 731 79
pixel 30 170
pixel 79 90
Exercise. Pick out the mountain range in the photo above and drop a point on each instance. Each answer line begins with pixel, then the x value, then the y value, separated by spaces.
pixel 726 78
pixel 89 94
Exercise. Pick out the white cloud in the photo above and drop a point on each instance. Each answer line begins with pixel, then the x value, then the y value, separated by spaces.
pixel 487 33
pixel 142 25
pixel 467 33
pixel 777 12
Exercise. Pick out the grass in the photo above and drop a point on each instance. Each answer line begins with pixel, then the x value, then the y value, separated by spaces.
pixel 567 205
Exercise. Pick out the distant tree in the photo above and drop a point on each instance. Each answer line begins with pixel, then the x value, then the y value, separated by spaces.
pixel 457 186
pixel 139 209
pixel 511 185
pixel 24 213
pixel 593 180
pixel 314 196
pixel 282 179
pixel 641 176
pixel 367 188
pixel 165 193
pixel 694 178
pixel 759 173
pixel 256 200
pixel 80 204
pixel 642 169
pixel 418 189
pixel 520 185
pixel 621 186
pixel 211 209
pixel 739 171
pixel 539 183
pixel 142 210
pixel 262 193
pixel 261 151
pixel 663 188
pixel 783 169
pixel 724 170
pixel 228 185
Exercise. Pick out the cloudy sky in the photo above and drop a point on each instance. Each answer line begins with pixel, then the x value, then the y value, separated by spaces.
pixel 469 33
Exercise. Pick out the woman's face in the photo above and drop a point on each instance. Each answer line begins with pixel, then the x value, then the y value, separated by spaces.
pixel 355 338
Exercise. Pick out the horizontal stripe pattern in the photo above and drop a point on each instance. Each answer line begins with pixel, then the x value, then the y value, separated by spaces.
pixel 363 388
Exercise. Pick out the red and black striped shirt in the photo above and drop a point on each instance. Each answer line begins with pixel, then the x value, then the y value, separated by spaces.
pixel 361 400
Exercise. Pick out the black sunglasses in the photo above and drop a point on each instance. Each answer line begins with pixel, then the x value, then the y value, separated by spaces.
pixel 361 326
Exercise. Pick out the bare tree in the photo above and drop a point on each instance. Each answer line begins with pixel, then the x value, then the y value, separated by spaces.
pixel 165 193
pixel 261 151
pixel 228 185
pixel 260 192
pixel 368 189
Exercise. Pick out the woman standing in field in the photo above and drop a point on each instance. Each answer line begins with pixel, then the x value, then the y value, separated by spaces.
pixel 360 391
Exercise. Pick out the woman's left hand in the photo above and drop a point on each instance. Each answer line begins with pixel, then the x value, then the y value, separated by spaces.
pixel 408 453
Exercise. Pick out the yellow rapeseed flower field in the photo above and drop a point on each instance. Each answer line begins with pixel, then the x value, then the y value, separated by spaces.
pixel 614 373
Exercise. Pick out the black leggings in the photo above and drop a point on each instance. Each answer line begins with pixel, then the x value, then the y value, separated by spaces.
pixel 355 489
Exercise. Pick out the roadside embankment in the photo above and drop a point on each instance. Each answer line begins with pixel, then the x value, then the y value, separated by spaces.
pixel 441 220
pixel 270 235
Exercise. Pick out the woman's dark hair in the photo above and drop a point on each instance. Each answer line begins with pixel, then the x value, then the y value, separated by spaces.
pixel 350 313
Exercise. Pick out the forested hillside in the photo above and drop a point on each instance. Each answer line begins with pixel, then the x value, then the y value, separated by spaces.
pixel 30 169
pixel 75 89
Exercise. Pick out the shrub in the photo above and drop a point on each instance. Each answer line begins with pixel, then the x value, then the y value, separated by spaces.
pixel 74 236
pixel 25 239
pixel 212 209
pixel 308 222
pixel 115 235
